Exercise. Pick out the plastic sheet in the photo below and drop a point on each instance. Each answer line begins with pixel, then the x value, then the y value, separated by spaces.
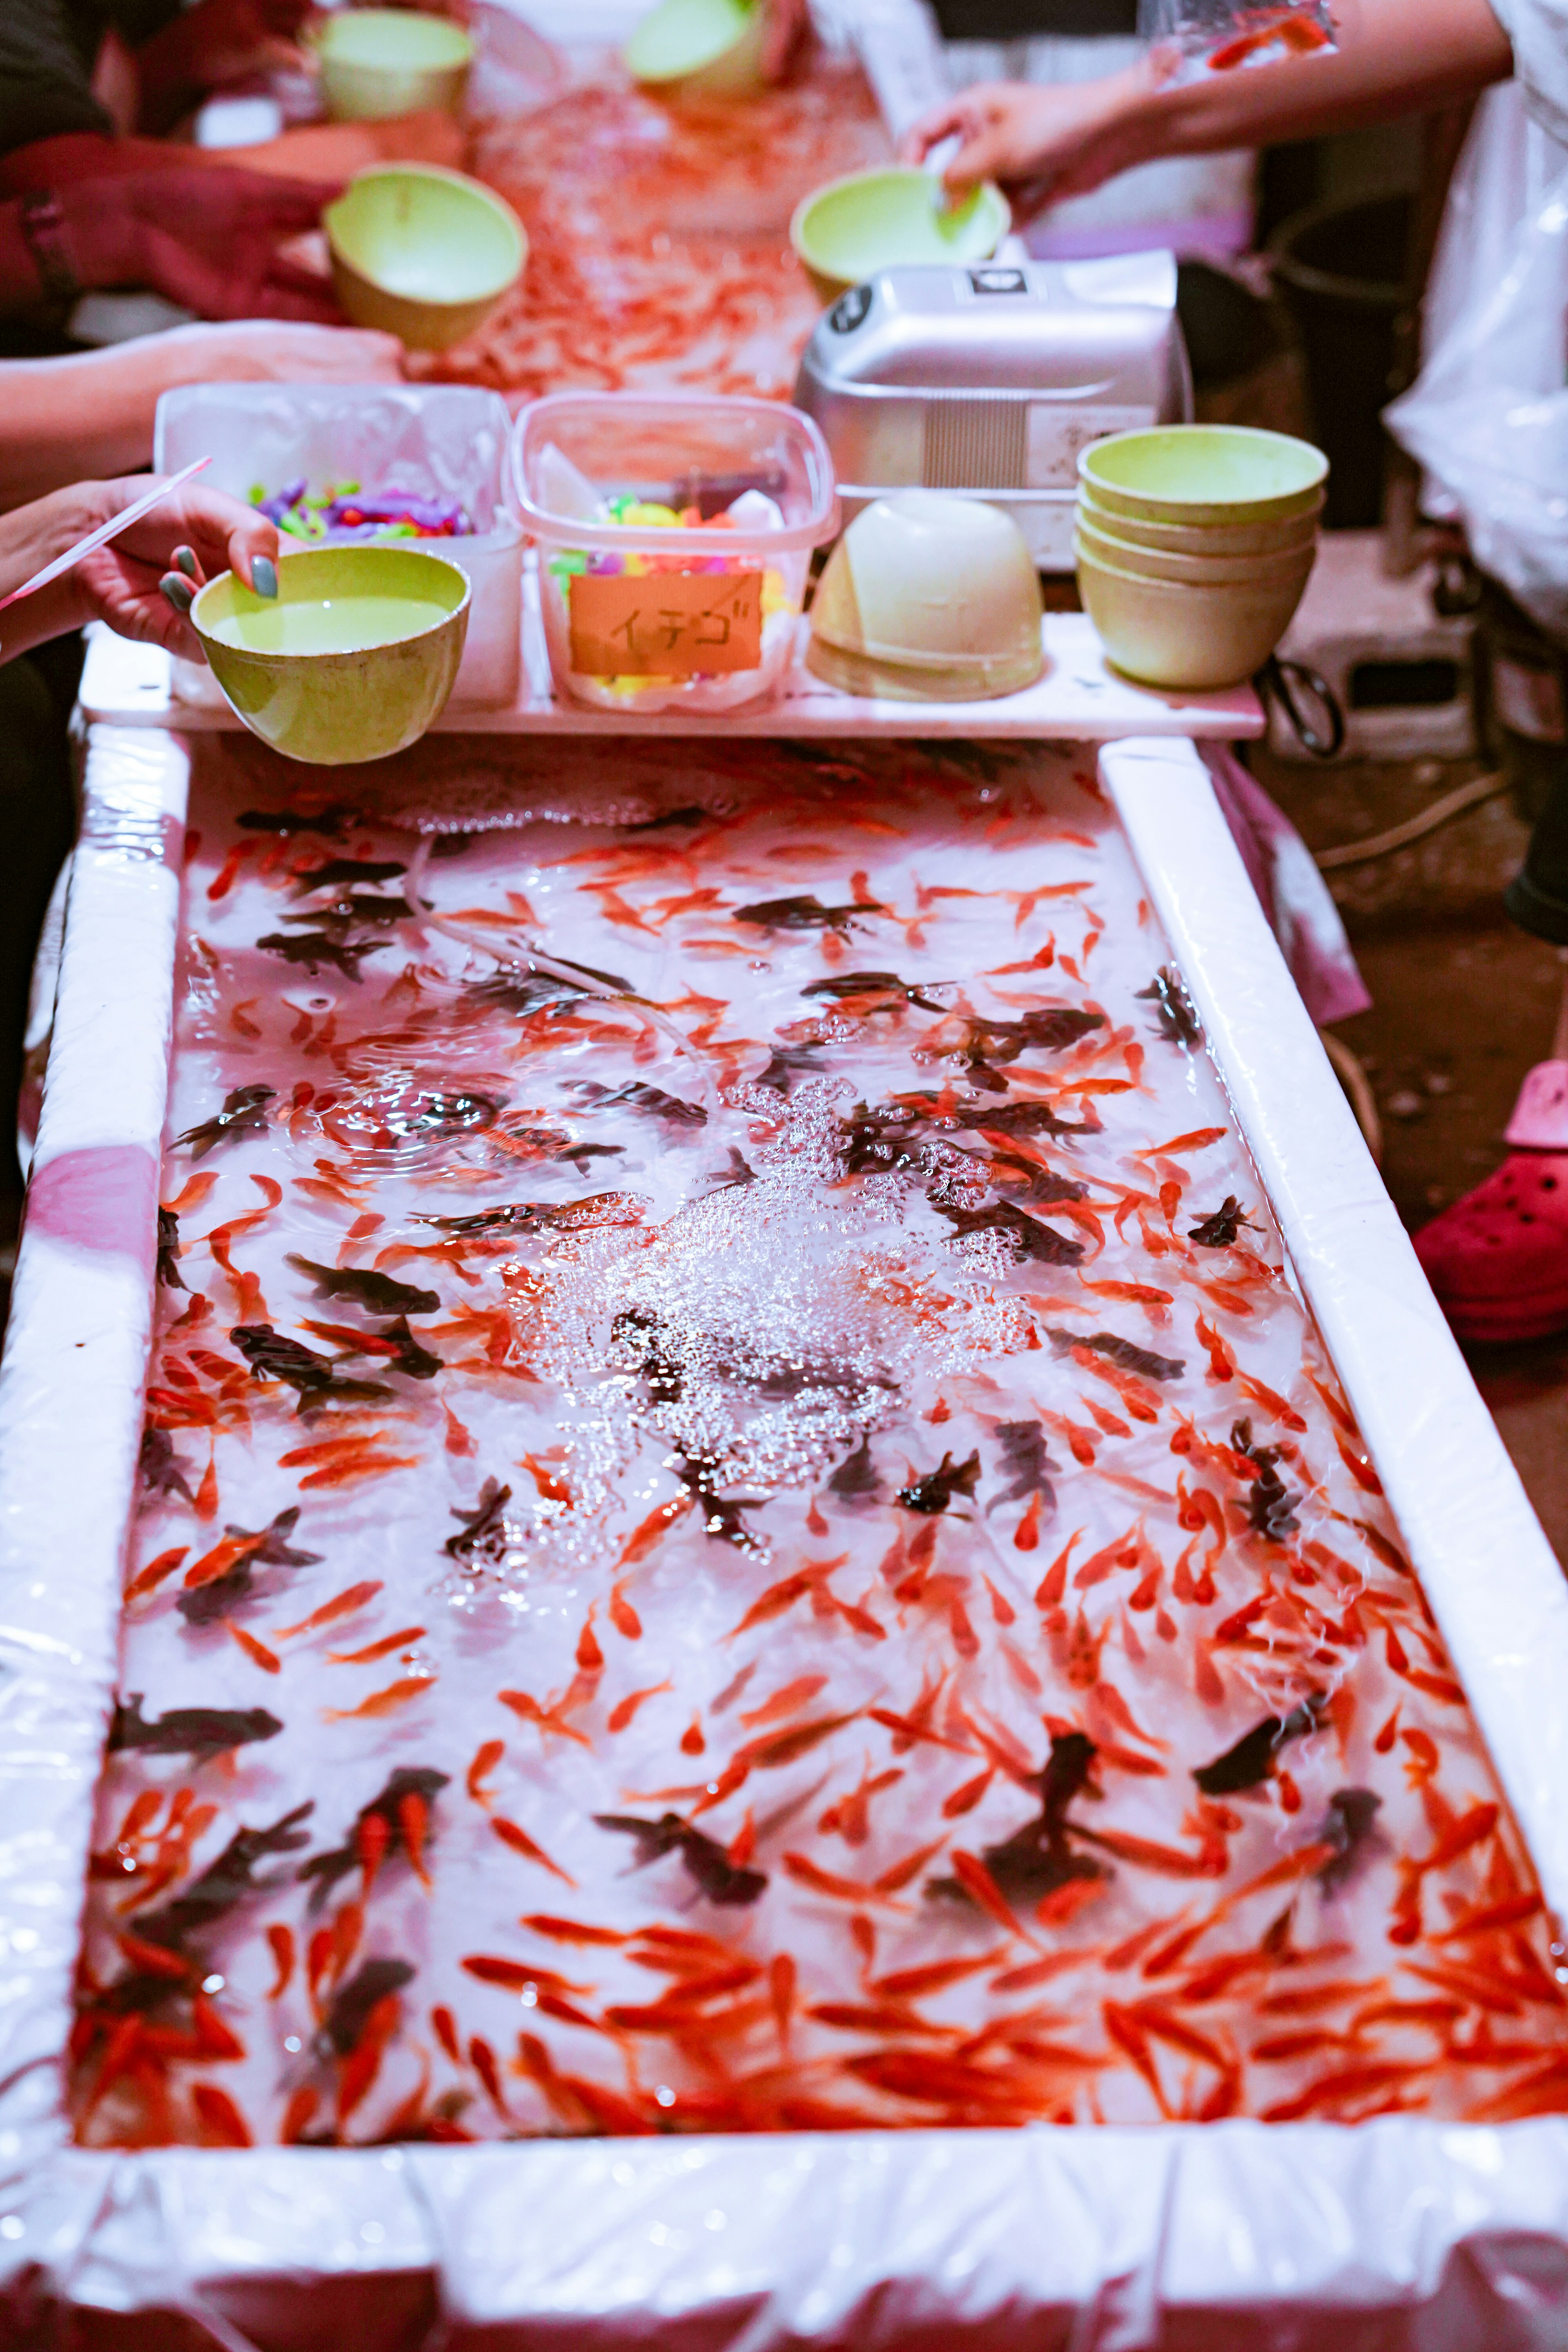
pixel 1487 416
pixel 1291 891
pixel 75 1359
pixel 1397 2233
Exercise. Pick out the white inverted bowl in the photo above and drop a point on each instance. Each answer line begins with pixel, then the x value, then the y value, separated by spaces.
pixel 926 587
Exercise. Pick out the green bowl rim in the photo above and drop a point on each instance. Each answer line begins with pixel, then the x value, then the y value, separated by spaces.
pixel 1250 433
pixel 255 653
pixel 685 73
pixel 1089 500
pixel 320 41
pixel 1270 556
pixel 986 189
pixel 428 172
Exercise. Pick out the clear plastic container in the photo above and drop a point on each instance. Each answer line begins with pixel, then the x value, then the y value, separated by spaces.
pixel 436 441
pixel 675 536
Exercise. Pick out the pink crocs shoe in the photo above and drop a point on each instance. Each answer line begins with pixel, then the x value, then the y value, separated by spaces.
pixel 1498 1259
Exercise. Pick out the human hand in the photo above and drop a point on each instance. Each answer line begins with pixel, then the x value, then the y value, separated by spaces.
pixel 786 35
pixel 258 350
pixel 208 240
pixel 1041 142
pixel 215 42
pixel 143 583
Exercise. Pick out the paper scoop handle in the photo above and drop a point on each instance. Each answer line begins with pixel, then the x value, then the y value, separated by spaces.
pixel 103 534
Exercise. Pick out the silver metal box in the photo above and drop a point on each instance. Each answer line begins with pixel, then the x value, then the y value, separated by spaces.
pixel 991 379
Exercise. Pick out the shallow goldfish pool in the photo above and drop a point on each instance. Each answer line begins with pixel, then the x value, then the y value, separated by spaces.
pixel 742 1528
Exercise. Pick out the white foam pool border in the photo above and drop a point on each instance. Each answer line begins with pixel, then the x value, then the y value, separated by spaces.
pixel 1493 1582
pixel 1398 2232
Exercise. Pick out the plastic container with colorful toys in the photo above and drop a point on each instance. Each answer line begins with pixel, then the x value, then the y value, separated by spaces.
pixel 675 537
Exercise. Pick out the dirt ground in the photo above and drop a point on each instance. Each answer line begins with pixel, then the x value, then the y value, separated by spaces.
pixel 1462 1004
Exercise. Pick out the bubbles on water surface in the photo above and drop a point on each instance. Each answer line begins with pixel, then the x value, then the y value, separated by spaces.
pixel 755 1335
pixel 404 1115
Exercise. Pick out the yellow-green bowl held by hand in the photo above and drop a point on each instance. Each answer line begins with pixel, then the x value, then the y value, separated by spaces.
pixel 700 48
pixel 422 252
pixel 351 660
pixel 846 232
pixel 380 62
pixel 1225 474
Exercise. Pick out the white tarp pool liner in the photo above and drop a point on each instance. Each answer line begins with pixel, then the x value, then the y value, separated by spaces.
pixel 1222 2234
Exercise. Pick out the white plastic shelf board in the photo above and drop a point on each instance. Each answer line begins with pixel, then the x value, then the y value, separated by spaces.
pixel 1078 698
pixel 1278 2239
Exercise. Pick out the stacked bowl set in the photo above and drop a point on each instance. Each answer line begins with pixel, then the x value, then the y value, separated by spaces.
pixel 1193 547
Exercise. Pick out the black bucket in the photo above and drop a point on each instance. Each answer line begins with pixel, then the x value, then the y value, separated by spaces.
pixel 1343 271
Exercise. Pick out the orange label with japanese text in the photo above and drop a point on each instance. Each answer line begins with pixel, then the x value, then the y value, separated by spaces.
pixel 666 624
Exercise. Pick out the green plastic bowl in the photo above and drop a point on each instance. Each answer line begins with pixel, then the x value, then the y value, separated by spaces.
pixel 380 62
pixel 1106 545
pixel 352 659
pixel 1201 538
pixel 846 232
pixel 1229 474
pixel 1184 638
pixel 700 48
pixel 422 252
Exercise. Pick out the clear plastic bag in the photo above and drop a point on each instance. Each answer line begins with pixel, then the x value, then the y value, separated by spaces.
pixel 1487 416
pixel 1223 37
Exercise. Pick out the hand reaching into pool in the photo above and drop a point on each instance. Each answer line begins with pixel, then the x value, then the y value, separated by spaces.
pixel 213 43
pixel 786 35
pixel 1040 142
pixel 141 584
pixel 211 240
pixel 1045 143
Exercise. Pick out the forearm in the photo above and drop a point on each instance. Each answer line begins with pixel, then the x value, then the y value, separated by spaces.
pixel 73 158
pixel 93 412
pixel 1395 58
pixel 54 612
pixel 21 287
pixel 29 539
pixel 56 244
pixel 171 83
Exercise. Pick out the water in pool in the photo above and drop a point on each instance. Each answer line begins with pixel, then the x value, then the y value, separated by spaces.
pixel 329 624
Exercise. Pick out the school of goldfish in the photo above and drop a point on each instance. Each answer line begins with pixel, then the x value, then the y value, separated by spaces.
pixel 658 236
pixel 741 1527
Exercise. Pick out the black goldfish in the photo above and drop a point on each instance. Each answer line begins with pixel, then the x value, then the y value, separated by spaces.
pixel 717 1877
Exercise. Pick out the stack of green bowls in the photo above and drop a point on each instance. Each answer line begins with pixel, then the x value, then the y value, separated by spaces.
pixel 1194 544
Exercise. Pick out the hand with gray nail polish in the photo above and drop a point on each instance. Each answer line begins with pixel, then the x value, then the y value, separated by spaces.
pixel 145 582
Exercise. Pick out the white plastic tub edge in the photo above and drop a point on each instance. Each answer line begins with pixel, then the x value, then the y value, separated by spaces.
pixel 1297 2237
pixel 1496 1589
